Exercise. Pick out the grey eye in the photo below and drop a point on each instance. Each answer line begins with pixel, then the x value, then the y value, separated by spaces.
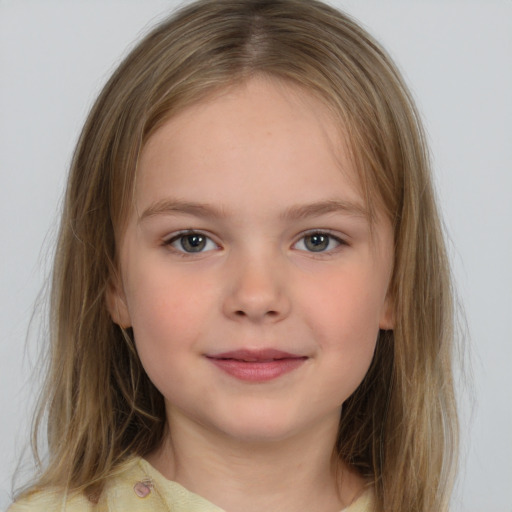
pixel 193 242
pixel 318 242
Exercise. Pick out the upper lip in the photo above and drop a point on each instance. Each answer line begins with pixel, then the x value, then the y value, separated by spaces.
pixel 266 354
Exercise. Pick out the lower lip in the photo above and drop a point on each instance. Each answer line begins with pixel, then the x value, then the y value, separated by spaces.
pixel 258 371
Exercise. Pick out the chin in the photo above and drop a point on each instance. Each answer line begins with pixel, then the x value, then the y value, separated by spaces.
pixel 263 427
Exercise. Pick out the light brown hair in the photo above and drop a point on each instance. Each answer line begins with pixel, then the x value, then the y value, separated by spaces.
pixel 400 426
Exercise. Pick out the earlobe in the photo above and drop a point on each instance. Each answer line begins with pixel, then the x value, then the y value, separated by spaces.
pixel 387 319
pixel 116 304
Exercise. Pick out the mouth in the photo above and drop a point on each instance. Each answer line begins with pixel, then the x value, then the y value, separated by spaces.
pixel 257 365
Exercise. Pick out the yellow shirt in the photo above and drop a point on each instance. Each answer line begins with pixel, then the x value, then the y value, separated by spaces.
pixel 138 488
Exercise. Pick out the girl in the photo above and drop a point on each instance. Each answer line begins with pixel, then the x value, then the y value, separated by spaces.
pixel 251 299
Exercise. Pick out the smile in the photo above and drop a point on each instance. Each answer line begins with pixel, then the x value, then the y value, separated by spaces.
pixel 257 365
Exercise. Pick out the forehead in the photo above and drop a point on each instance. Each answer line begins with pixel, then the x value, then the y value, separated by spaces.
pixel 249 134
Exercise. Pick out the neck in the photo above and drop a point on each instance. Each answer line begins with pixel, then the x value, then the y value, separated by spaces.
pixel 296 473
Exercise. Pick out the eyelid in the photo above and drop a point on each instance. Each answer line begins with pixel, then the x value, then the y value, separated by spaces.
pixel 340 240
pixel 173 237
pixel 169 240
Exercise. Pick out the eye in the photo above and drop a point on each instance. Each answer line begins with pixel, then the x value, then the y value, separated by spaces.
pixel 318 241
pixel 191 242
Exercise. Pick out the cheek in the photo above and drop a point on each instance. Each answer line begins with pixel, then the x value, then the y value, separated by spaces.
pixel 343 315
pixel 166 320
pixel 164 302
pixel 346 308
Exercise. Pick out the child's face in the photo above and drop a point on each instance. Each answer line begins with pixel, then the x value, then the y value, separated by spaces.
pixel 249 276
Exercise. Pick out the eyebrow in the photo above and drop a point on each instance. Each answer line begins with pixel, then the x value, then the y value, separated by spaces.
pixel 178 207
pixel 325 207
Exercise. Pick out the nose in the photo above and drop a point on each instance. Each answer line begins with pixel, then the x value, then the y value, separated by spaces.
pixel 257 291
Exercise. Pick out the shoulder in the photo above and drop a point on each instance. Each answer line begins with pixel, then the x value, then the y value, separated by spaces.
pixel 51 500
pixel 142 487
pixel 117 495
pixel 365 503
pixel 135 487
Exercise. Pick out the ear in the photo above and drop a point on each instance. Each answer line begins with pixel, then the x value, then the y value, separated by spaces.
pixel 387 317
pixel 116 303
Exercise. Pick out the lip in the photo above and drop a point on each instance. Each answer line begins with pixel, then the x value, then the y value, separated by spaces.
pixel 257 365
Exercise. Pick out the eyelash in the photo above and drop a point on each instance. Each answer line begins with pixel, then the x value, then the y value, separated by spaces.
pixel 182 236
pixel 322 233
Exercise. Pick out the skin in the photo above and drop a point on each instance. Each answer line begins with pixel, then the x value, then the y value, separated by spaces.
pixel 254 170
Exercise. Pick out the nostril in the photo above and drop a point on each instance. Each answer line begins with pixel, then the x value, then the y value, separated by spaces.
pixel 272 313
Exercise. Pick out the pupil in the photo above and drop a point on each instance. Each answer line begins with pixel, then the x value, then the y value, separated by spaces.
pixel 317 242
pixel 193 243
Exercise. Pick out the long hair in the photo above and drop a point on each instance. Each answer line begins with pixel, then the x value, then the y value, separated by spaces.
pixel 399 428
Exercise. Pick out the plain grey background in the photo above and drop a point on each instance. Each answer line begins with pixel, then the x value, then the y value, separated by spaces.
pixel 456 57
